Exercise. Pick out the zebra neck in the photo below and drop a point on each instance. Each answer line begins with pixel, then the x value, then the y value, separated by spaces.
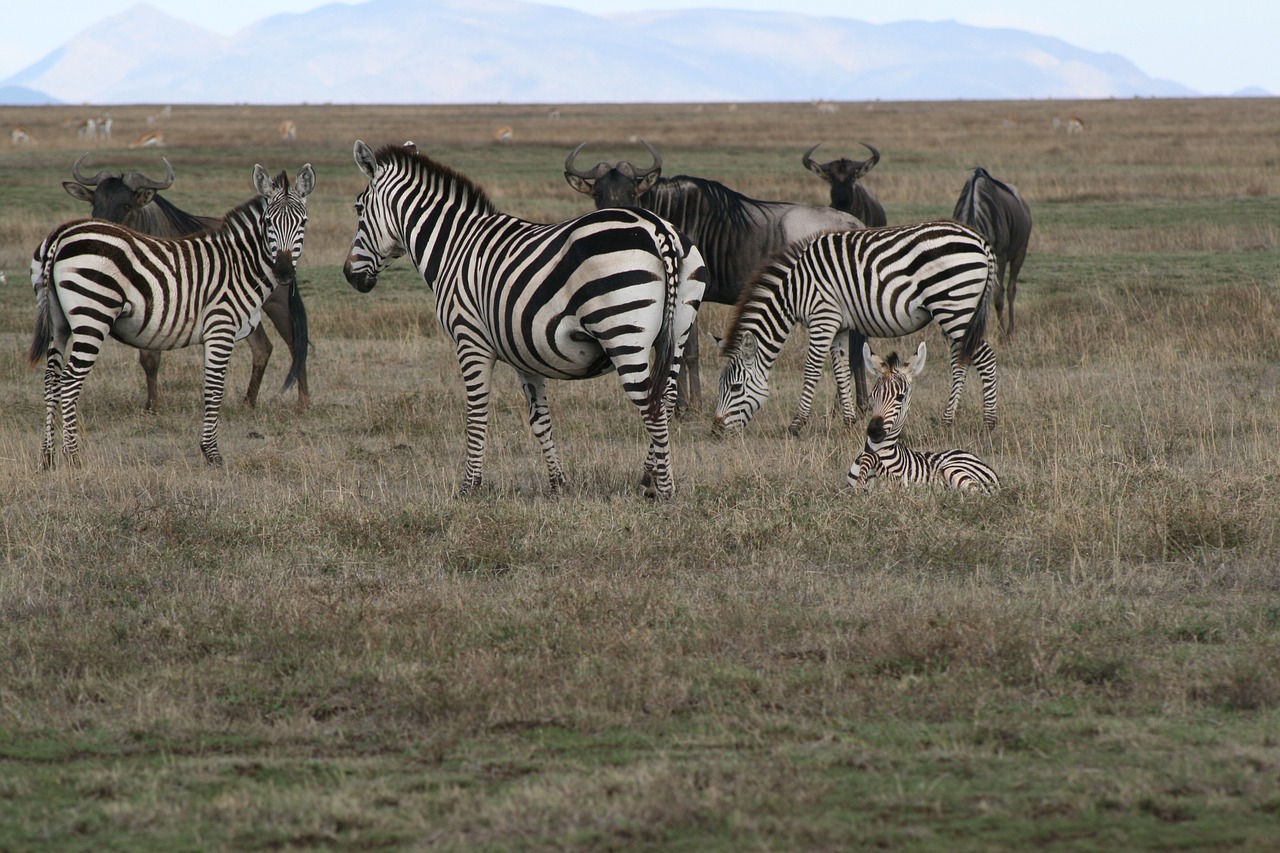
pixel 433 229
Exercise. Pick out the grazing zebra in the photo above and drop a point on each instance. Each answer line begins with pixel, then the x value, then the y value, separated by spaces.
pixel 996 211
pixel 95 279
pixel 883 454
pixel 734 232
pixel 882 282
pixel 573 300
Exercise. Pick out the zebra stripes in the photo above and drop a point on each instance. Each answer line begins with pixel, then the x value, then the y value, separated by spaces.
pixel 883 455
pixel 96 279
pixel 882 282
pixel 605 291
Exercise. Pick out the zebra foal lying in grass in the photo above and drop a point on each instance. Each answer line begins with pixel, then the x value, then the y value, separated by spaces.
pixel 96 279
pixel 883 455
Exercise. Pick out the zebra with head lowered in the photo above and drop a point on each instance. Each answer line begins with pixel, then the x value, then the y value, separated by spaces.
pixel 885 282
pixel 96 279
pixel 735 233
pixel 996 211
pixel 132 199
pixel 847 191
pixel 884 455
pixel 610 290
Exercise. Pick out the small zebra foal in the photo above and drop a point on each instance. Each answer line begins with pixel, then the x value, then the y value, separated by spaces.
pixel 884 455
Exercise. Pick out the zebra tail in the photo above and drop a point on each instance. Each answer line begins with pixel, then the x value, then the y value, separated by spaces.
pixel 665 345
pixel 301 337
pixel 976 332
pixel 43 334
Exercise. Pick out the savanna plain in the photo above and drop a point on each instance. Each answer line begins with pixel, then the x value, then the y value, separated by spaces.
pixel 321 646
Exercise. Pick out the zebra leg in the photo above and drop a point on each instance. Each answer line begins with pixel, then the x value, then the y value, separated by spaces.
pixel 958 372
pixel 985 361
pixel 83 348
pixel 477 374
pixel 52 394
pixel 150 361
pixel 535 392
pixel 821 336
pixel 637 379
pixel 260 346
pixel 841 366
pixel 217 352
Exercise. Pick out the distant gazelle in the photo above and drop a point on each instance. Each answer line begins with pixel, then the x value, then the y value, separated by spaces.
pixel 288 131
pixel 150 139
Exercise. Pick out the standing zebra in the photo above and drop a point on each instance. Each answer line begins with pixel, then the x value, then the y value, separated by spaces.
pixel 883 454
pixel 95 279
pixel 882 282
pixel 996 211
pixel 573 300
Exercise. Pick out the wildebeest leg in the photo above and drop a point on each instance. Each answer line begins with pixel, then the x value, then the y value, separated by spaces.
pixel 277 309
pixel 855 341
pixel 260 346
pixel 1015 267
pixel 535 392
pixel 689 384
pixel 150 361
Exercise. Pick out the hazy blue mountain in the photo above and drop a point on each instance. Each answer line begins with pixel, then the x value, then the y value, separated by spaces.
pixel 485 51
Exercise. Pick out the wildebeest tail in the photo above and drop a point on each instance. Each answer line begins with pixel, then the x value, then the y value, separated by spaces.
pixel 664 347
pixel 976 332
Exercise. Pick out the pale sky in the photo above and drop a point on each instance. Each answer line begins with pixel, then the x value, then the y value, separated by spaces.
pixel 1215 48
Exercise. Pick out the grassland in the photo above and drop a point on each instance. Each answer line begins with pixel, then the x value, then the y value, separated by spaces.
pixel 321 647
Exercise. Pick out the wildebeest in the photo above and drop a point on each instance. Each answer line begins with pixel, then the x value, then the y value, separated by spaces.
pixel 847 193
pixel 997 211
pixel 735 233
pixel 133 200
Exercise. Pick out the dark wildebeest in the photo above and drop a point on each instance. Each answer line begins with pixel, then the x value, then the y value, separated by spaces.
pixel 133 200
pixel 736 234
pixel 996 210
pixel 847 193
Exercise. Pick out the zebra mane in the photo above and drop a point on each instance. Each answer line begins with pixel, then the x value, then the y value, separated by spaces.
pixel 244 212
pixel 763 283
pixel 415 161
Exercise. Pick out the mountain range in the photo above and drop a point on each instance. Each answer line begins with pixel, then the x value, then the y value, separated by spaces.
pixel 487 51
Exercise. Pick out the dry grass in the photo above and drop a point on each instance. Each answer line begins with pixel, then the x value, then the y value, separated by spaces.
pixel 321 646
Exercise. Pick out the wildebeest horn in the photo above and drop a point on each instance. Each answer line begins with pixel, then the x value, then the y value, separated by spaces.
pixel 568 164
pixel 875 157
pixel 657 161
pixel 807 160
pixel 88 182
pixel 139 181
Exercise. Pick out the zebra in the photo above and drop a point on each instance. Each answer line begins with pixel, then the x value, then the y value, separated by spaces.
pixel 882 282
pixel 997 211
pixel 134 200
pixel 96 278
pixel 734 232
pixel 883 455
pixel 603 291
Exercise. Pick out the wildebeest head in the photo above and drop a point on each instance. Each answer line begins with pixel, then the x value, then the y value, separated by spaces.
pixel 116 198
pixel 619 185
pixel 843 176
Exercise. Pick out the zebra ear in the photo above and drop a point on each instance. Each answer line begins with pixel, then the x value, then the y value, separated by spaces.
pixel 872 362
pixel 306 181
pixel 365 159
pixel 261 180
pixel 915 364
